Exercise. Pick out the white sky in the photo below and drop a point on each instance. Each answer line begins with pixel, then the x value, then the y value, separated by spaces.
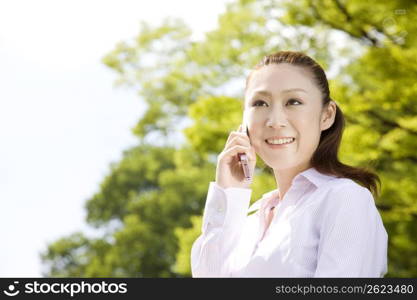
pixel 61 121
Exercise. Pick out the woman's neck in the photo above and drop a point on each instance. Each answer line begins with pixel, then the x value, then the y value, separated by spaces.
pixel 284 178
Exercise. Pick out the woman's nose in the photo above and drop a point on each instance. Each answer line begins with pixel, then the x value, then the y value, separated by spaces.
pixel 277 118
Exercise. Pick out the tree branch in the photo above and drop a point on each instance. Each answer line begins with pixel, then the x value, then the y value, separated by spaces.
pixel 390 123
pixel 363 35
pixel 349 18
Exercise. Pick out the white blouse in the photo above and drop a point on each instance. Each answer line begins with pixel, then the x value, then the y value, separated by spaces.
pixel 324 227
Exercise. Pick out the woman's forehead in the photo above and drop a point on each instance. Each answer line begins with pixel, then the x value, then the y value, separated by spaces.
pixel 277 78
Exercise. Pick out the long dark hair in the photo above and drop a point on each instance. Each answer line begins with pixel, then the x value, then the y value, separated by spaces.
pixel 325 158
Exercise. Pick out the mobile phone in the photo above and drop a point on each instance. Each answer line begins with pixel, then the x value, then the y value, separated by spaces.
pixel 244 161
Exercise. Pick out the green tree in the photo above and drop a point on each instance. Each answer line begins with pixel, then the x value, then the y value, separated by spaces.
pixel 377 91
pixel 148 208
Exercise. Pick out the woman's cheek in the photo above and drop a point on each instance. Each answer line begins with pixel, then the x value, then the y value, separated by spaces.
pixel 256 145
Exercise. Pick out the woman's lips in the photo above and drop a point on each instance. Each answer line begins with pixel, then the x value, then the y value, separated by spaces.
pixel 279 146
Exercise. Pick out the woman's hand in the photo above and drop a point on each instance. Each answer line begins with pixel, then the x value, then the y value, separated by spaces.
pixel 229 172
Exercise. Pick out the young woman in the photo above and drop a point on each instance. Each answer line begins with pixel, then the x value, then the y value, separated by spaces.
pixel 322 220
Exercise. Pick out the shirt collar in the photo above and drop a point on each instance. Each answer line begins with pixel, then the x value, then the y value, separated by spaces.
pixel 314 176
pixel 311 174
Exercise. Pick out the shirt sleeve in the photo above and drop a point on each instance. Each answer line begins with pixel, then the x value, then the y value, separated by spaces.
pixel 353 240
pixel 224 215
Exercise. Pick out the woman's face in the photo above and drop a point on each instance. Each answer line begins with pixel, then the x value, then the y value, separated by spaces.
pixel 283 101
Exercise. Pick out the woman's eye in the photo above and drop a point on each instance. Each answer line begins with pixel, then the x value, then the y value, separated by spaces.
pixel 289 101
pixel 258 101
pixel 294 100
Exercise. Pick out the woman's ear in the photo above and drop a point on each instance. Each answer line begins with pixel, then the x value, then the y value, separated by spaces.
pixel 328 116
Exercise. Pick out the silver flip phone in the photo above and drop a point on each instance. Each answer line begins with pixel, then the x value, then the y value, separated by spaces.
pixel 244 161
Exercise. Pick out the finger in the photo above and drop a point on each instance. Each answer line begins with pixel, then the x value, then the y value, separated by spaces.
pixel 229 138
pixel 240 133
pixel 232 134
pixel 237 149
pixel 238 140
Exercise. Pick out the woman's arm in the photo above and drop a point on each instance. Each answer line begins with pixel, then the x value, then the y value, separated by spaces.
pixel 353 240
pixel 223 219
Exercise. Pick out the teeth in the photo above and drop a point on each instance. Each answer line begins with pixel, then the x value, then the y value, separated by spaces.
pixel 280 141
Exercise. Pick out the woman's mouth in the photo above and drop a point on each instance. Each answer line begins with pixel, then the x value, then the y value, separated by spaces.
pixel 279 143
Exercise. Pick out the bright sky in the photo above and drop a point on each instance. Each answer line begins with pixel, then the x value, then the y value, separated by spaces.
pixel 61 121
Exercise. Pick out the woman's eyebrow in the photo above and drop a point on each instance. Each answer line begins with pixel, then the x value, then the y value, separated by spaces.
pixel 294 89
pixel 268 94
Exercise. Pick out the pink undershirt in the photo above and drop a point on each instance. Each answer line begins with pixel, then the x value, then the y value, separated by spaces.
pixel 268 211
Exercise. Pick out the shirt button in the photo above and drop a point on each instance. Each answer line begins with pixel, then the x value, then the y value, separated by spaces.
pixel 220 209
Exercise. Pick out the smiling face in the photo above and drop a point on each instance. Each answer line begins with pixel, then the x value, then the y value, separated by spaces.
pixel 282 100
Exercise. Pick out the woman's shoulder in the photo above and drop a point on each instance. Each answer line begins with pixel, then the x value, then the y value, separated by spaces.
pixel 349 205
pixel 339 184
pixel 346 192
pixel 343 183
